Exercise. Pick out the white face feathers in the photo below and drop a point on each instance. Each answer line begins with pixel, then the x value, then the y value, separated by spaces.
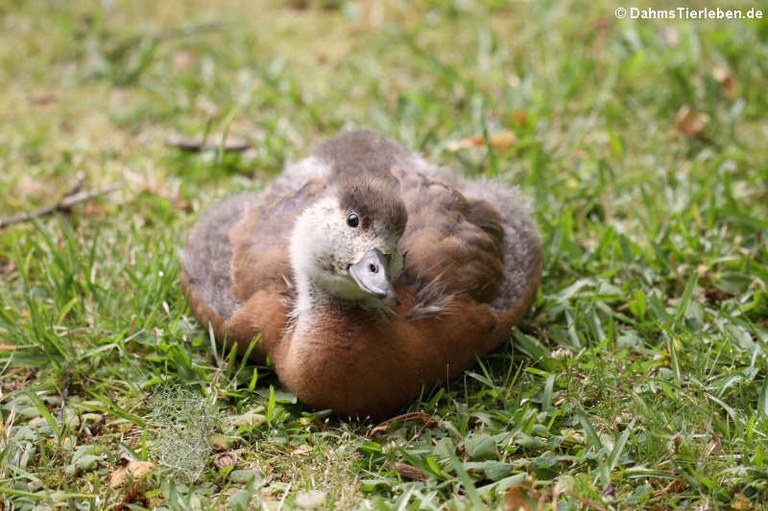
pixel 339 254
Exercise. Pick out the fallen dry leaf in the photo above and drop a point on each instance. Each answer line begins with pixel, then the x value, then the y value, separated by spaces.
pixel 222 442
pixel 12 386
pixel 118 477
pixel 140 468
pixel 740 501
pixel 715 295
pixel 522 498
pixel 503 141
pixel 691 123
pixel 422 417
pixel 301 450
pixel 410 472
pixel 500 142
pixel 465 143
pixel 94 209
pixel 135 469
pixel 249 418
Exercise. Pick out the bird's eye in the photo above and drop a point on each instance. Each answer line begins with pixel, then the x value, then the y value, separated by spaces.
pixel 353 220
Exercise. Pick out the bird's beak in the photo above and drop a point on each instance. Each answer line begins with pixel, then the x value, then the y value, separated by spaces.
pixel 371 275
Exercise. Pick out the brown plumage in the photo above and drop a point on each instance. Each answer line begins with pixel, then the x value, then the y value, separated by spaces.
pixel 313 264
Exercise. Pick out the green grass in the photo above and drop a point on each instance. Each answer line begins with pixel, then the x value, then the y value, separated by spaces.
pixel 637 381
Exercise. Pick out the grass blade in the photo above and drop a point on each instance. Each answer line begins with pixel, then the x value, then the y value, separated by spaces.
pixel 466 480
pixel 44 412
pixel 685 300
pixel 593 440
pixel 618 448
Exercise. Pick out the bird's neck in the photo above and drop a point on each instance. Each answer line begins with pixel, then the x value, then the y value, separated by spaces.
pixel 314 300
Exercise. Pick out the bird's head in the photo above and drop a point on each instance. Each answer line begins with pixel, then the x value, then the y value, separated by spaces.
pixel 346 243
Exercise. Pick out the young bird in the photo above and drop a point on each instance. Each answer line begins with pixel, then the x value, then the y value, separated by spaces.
pixel 367 273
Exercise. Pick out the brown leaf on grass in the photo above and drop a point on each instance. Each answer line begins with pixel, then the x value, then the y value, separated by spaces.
pixel 134 469
pixel 422 417
pixel 140 468
pixel 500 142
pixel 17 382
pixel 11 386
pixel 222 442
pixel 741 501
pixel 523 498
pixel 301 450
pixel 211 143
pixel 716 295
pixel 410 472
pixel 503 141
pixel 465 143
pixel 726 80
pixel 690 122
pixel 130 479
pixel 94 209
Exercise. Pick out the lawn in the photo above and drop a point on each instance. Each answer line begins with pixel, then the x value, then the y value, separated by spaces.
pixel 638 380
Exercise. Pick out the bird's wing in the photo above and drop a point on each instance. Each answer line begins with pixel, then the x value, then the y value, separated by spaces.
pixel 261 241
pixel 236 267
pixel 452 245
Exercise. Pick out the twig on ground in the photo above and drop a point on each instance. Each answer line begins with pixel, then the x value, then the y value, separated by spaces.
pixel 206 143
pixel 72 197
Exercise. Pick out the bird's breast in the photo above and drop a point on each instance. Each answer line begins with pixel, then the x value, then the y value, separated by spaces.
pixel 355 365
